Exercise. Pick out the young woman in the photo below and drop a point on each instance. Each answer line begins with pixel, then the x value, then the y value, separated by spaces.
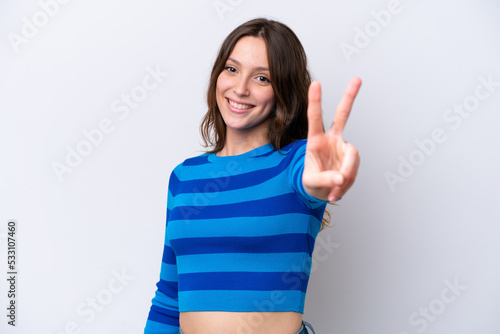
pixel 243 217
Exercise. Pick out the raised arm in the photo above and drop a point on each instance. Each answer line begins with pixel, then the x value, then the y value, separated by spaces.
pixel 330 164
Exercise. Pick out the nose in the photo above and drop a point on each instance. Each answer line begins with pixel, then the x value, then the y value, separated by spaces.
pixel 241 87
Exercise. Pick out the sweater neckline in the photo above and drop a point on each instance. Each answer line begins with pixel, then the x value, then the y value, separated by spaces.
pixel 252 153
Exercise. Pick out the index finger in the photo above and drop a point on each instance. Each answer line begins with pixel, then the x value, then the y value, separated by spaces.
pixel 345 105
pixel 314 117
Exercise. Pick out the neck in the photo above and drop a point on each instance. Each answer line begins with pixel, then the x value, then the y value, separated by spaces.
pixel 239 143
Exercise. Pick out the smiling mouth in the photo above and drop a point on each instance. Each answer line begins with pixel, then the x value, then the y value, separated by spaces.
pixel 239 105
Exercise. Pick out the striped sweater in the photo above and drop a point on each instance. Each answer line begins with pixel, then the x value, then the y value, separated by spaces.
pixel 240 233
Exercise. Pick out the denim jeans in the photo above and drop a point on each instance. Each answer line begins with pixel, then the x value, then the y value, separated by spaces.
pixel 302 330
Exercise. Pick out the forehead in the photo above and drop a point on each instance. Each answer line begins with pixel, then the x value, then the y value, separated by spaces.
pixel 250 51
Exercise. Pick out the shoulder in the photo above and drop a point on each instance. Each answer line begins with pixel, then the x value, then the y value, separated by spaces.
pixel 297 145
pixel 192 161
pixel 196 160
pixel 179 169
pixel 295 149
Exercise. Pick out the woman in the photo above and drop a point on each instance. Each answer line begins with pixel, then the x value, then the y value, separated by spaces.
pixel 242 218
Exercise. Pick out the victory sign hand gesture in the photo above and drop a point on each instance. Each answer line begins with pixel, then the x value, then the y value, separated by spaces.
pixel 330 164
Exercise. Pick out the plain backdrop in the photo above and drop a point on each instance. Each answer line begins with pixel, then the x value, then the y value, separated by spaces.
pixel 416 243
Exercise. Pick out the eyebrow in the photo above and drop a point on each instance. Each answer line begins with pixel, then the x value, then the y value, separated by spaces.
pixel 259 68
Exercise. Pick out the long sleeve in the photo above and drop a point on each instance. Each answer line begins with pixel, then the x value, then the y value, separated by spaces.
pixel 295 175
pixel 163 316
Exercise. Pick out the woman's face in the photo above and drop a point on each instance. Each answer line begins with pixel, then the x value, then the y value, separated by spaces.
pixel 244 93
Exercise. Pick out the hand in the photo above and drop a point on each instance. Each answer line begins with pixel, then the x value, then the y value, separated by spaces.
pixel 330 164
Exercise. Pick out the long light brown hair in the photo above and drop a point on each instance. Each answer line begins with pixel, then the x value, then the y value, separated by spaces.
pixel 290 80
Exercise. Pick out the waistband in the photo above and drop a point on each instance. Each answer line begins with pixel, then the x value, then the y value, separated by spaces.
pixel 302 330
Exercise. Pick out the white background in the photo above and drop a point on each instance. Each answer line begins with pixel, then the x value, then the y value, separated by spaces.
pixel 392 248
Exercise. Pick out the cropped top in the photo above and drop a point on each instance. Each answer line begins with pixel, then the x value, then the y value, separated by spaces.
pixel 239 237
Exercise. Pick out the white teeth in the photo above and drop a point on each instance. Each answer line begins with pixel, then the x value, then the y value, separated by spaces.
pixel 239 106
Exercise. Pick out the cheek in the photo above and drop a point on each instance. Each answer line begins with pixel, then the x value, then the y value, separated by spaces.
pixel 222 84
pixel 220 89
pixel 268 97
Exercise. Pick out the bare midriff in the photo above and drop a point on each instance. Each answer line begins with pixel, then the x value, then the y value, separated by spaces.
pixel 215 322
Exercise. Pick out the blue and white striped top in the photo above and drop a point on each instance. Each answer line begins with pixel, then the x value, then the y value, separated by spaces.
pixel 239 237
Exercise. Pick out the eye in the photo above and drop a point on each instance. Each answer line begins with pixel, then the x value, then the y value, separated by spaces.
pixel 263 79
pixel 230 69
